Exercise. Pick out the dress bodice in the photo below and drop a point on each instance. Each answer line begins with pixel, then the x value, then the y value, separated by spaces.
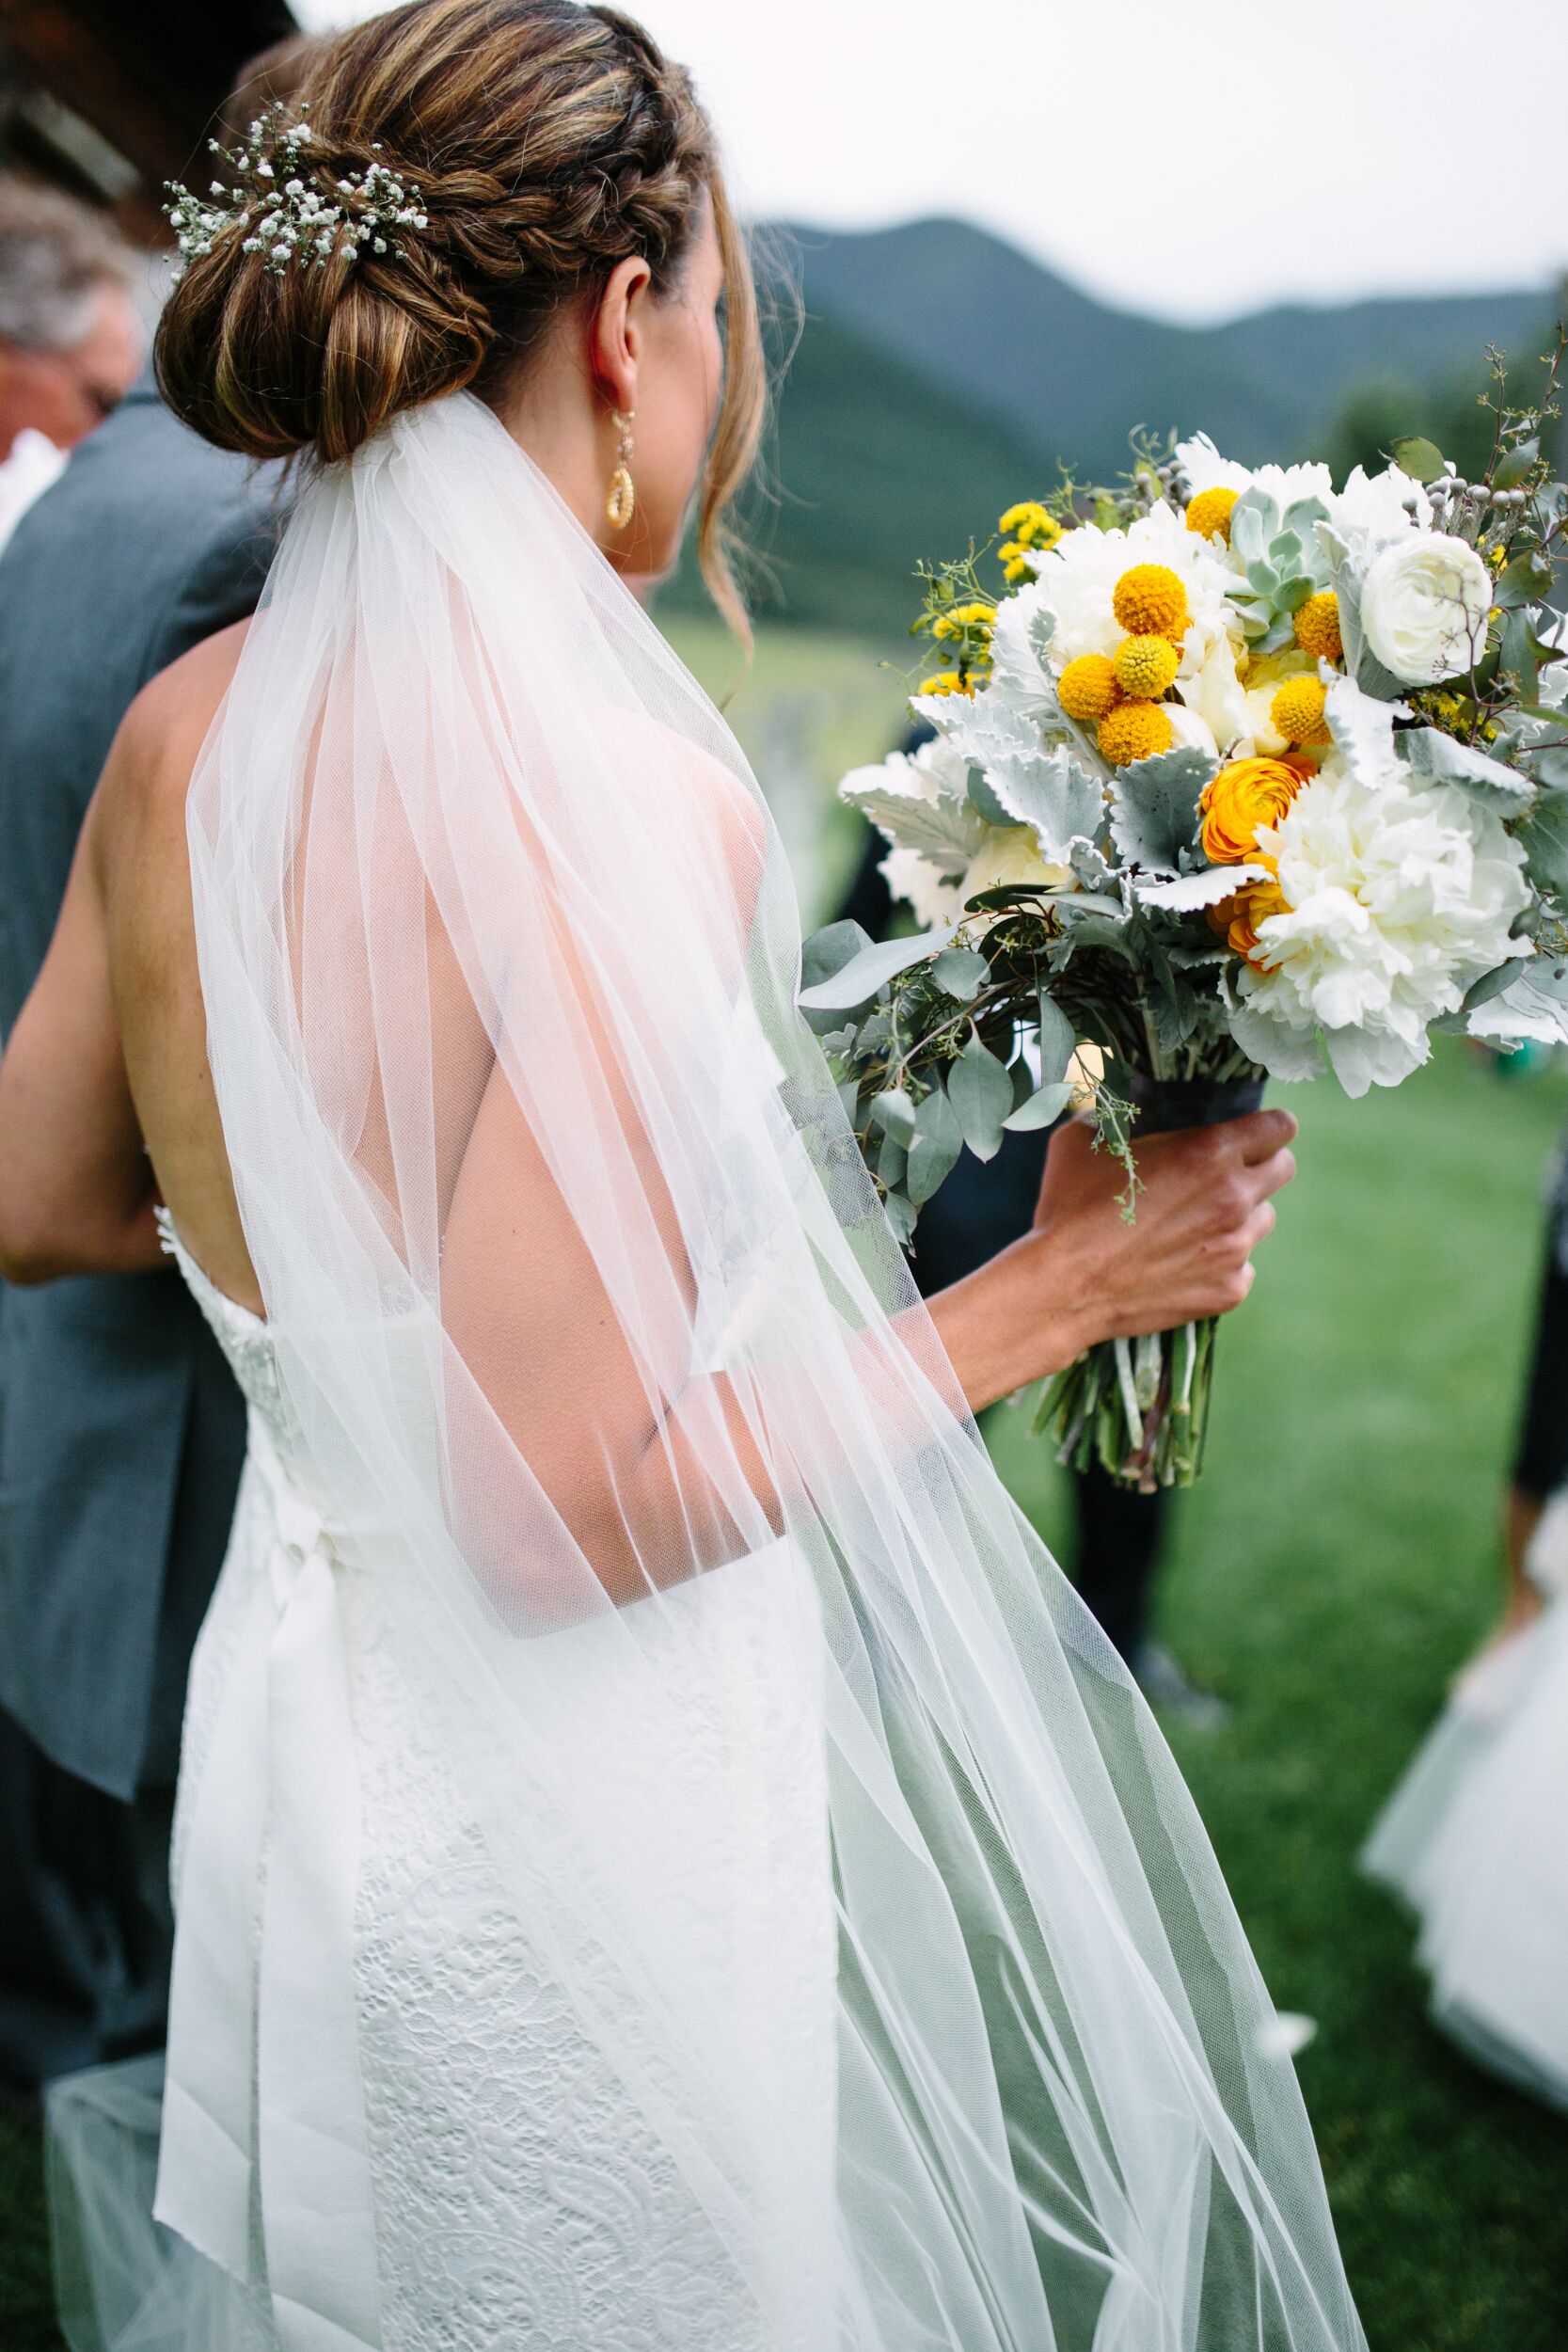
pixel 246 1339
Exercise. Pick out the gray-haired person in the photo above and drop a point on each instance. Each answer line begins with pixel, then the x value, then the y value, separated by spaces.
pixel 121 1432
pixel 70 337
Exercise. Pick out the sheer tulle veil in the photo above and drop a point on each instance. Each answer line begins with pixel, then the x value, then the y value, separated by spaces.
pixel 498 945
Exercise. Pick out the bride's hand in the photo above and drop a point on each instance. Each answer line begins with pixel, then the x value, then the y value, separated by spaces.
pixel 1087 1273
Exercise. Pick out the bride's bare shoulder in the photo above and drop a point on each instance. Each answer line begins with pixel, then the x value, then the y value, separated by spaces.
pixel 149 764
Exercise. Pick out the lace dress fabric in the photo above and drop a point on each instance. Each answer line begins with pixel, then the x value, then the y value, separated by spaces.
pixel 521 2201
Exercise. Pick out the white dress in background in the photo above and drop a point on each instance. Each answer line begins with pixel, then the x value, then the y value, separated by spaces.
pixel 1475 1840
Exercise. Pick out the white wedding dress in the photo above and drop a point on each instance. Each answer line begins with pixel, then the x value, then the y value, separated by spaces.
pixel 1473 1839
pixel 813 1947
pixel 520 2197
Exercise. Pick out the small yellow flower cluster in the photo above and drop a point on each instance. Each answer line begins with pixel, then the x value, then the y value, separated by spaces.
pixel 967 628
pixel 1121 695
pixel 962 618
pixel 1027 527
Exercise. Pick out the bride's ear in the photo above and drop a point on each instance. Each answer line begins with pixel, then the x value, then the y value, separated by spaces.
pixel 616 333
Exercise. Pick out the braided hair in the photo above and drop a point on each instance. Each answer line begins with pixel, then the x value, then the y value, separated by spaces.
pixel 549 141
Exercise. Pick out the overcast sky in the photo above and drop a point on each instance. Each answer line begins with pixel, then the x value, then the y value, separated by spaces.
pixel 1195 160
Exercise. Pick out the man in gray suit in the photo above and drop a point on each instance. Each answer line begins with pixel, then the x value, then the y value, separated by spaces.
pixel 121 1433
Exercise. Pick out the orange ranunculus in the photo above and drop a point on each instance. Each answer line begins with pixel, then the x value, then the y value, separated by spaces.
pixel 1239 802
pixel 1251 906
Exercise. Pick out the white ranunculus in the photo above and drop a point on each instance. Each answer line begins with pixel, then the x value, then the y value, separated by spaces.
pixel 932 900
pixel 1424 605
pixel 1399 894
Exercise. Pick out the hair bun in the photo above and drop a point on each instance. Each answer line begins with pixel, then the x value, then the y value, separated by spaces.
pixel 455 170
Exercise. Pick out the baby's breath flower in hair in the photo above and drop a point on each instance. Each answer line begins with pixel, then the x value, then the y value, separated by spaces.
pixel 286 219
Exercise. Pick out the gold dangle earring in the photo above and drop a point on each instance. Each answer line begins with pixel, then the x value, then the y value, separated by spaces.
pixel 621 503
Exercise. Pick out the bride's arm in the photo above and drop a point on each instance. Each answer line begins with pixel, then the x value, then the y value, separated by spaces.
pixel 76 1187
pixel 653 1481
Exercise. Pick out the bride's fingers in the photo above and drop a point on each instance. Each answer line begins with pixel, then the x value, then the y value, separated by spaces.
pixel 1273 1174
pixel 1261 1134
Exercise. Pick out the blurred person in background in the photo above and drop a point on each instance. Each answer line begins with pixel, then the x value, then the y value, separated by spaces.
pixel 122 1430
pixel 70 341
pixel 1472 1837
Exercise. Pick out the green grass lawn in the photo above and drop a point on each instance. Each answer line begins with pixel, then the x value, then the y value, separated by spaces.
pixel 1333 1568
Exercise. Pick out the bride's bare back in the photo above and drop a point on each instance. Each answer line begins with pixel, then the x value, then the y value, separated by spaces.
pixel 130 885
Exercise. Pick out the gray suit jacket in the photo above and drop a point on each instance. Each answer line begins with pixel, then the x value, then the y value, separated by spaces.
pixel 121 1433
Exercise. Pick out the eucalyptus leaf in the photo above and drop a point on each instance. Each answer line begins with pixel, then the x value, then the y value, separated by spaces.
pixel 893 1161
pixel 894 1112
pixel 867 973
pixel 1058 1041
pixel 823 954
pixel 962 972
pixel 1421 459
pixel 1544 836
pixel 937 1141
pixel 1517 653
pixel 1521 460
pixel 1523 581
pixel 829 949
pixel 901 1215
pixel 981 1094
pixel 1043 1108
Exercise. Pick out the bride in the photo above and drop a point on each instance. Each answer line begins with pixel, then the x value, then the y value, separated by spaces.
pixel 663 1860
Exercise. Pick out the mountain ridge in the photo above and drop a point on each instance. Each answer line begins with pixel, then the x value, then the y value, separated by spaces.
pixel 1078 374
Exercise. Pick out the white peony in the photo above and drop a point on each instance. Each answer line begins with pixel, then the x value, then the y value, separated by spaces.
pixel 1077 576
pixel 1399 896
pixel 1424 607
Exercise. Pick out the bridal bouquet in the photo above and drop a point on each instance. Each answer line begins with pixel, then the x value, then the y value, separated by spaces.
pixel 1233 775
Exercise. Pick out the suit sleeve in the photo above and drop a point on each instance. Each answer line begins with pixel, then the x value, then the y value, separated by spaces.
pixel 224 582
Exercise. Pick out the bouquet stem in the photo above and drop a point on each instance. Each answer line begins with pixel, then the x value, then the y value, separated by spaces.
pixel 1140 1407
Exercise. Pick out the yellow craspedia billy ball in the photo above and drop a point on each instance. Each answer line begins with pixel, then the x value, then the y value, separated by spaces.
pixel 1087 688
pixel 1150 601
pixel 1209 514
pixel 1135 731
pixel 1146 667
pixel 1317 627
pixel 1296 712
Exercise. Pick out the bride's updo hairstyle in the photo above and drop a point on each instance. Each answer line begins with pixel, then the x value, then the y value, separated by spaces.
pixel 547 141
